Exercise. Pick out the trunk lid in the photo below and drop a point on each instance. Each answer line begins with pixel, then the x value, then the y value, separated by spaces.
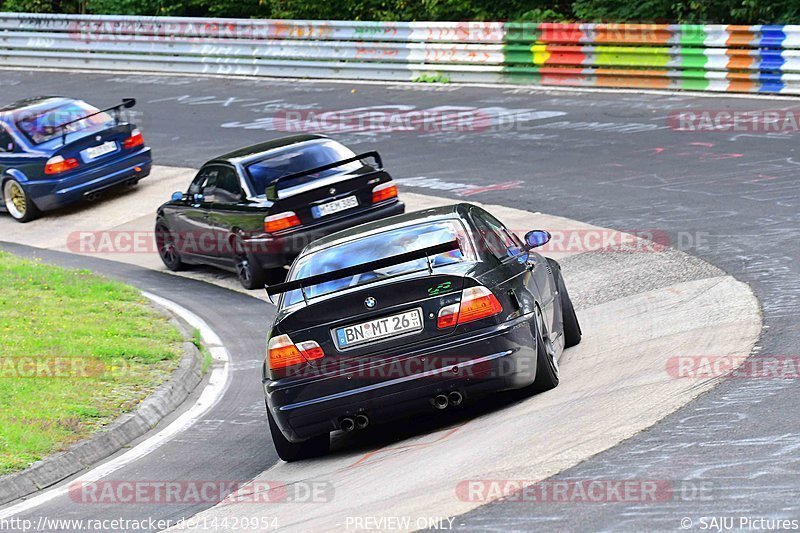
pixel 331 197
pixel 404 314
pixel 94 147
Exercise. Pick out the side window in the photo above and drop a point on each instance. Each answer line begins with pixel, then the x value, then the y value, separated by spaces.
pixel 494 235
pixel 229 189
pixel 205 182
pixel 489 238
pixel 509 239
pixel 6 141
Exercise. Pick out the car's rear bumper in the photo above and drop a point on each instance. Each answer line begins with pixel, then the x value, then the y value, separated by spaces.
pixel 497 358
pixel 279 250
pixel 50 194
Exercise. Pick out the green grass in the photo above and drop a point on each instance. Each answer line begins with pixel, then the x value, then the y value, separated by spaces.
pixel 197 340
pixel 56 318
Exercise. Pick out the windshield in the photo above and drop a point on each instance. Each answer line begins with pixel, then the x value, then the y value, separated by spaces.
pixel 379 246
pixel 297 159
pixel 42 125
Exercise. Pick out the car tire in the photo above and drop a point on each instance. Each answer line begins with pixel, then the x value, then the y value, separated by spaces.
pixel 547 372
pixel 18 203
pixel 248 270
pixel 167 248
pixel 572 329
pixel 296 451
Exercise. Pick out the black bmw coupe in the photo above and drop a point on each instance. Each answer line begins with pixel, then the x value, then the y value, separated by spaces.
pixel 422 311
pixel 253 210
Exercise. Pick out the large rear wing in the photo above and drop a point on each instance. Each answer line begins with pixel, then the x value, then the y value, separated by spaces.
pixel 304 283
pixel 127 103
pixel 272 193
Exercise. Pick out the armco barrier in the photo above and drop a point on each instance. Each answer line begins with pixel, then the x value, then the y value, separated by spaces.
pixel 762 59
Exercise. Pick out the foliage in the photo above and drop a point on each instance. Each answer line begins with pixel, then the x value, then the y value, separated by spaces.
pixel 677 11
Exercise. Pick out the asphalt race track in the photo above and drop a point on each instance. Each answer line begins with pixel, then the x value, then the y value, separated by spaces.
pixel 613 160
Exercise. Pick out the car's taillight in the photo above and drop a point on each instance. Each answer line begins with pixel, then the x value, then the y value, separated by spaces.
pixel 282 352
pixel 384 191
pixel 476 303
pixel 136 139
pixel 57 165
pixel 281 221
pixel 311 350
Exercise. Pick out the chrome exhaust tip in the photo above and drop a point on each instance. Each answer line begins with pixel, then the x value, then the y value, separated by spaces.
pixel 362 421
pixel 455 398
pixel 347 424
pixel 440 402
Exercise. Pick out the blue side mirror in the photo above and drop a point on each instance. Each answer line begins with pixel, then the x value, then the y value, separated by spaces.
pixel 177 196
pixel 537 238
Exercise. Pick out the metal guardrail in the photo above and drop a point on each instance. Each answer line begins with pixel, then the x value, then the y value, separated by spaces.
pixel 699 57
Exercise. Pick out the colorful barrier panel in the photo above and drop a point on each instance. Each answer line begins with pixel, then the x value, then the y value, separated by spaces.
pixel 763 59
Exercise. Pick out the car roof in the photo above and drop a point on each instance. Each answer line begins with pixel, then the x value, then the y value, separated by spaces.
pixel 252 151
pixel 408 219
pixel 33 102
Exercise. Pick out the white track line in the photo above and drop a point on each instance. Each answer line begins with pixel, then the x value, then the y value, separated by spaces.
pixel 212 393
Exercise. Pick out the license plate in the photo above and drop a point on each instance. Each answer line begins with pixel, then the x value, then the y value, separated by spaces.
pixel 96 151
pixel 379 329
pixel 334 207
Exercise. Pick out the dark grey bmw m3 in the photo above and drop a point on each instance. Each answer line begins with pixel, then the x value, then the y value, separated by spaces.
pixel 422 311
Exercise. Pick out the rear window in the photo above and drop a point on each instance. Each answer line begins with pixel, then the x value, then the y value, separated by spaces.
pixel 263 173
pixel 41 126
pixel 379 246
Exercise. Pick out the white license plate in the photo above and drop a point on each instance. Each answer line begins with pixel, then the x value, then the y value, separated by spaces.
pixel 334 207
pixel 380 328
pixel 96 151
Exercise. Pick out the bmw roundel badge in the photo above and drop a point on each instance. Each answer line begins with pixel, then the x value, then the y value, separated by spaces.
pixel 370 302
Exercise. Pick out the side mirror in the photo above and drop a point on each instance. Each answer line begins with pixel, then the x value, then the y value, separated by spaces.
pixel 537 238
pixel 128 103
pixel 177 196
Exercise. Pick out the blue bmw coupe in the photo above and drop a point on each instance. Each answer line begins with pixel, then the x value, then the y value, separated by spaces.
pixel 56 151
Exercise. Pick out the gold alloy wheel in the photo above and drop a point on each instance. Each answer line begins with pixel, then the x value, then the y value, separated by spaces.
pixel 15 199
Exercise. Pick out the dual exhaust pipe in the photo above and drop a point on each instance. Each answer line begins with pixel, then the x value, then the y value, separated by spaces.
pixel 443 401
pixel 348 424
pixel 440 402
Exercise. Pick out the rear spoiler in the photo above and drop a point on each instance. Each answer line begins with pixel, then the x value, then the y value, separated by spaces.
pixel 127 103
pixel 273 188
pixel 302 284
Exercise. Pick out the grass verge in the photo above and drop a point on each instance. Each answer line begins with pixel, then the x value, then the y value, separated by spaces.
pixel 76 351
pixel 197 340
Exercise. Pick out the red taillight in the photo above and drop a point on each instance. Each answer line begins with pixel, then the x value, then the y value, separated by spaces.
pixel 57 165
pixel 476 303
pixel 384 191
pixel 311 350
pixel 136 139
pixel 282 352
pixel 281 221
pixel 448 316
